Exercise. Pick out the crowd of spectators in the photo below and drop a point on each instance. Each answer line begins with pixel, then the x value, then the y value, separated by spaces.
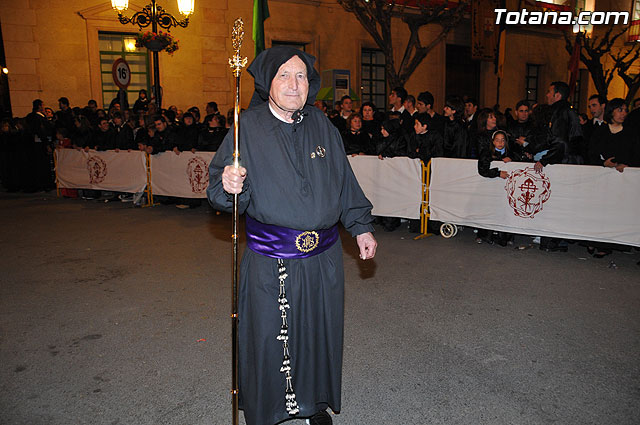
pixel 26 144
pixel 542 134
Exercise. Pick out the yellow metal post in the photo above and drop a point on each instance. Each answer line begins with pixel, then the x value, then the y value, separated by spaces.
pixel 148 190
pixel 424 206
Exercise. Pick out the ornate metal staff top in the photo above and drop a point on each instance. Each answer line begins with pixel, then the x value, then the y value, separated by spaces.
pixel 237 63
pixel 237 36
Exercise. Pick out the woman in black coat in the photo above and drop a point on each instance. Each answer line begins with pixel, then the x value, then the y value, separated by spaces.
pixel 487 125
pixel 614 144
pixel 356 141
pixel 370 125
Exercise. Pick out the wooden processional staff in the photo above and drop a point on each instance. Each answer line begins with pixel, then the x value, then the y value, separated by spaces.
pixel 236 63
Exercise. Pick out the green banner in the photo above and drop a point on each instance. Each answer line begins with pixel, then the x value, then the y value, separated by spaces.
pixel 260 14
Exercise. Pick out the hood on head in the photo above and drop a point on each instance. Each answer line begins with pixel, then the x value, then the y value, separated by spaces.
pixel 265 66
pixel 392 126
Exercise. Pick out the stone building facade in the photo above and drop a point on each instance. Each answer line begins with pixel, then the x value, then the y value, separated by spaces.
pixel 52 49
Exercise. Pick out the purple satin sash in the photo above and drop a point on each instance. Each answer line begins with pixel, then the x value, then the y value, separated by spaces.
pixel 282 242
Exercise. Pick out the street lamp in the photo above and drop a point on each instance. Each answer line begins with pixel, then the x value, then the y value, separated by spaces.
pixel 154 15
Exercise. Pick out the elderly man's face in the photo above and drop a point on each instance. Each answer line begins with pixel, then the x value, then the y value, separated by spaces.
pixel 290 87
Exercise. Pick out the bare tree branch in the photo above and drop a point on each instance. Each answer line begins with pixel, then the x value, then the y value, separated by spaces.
pixel 595 49
pixel 376 18
pixel 623 61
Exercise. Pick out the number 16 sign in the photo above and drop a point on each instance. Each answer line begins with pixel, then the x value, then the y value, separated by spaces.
pixel 121 73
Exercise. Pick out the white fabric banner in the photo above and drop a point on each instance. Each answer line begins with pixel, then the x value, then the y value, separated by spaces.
pixel 184 176
pixel 116 171
pixel 565 201
pixel 393 185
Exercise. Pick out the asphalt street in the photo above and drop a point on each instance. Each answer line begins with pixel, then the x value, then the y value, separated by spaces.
pixel 111 314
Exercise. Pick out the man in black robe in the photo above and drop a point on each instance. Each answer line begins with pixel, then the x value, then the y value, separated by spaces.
pixel 295 184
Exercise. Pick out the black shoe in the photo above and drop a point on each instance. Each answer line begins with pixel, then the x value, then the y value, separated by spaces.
pixel 556 248
pixel 553 245
pixel 321 418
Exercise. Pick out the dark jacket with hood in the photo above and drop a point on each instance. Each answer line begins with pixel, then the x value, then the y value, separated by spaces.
pixel 456 139
pixel 395 144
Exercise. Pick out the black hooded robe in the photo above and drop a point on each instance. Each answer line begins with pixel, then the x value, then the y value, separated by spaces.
pixel 289 184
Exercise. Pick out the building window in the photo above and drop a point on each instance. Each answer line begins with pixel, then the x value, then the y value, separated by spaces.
pixel 634 30
pixel 294 44
pixel 122 45
pixel 374 80
pixel 531 83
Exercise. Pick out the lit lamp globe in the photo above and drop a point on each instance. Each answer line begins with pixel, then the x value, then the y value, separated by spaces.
pixel 120 5
pixel 185 7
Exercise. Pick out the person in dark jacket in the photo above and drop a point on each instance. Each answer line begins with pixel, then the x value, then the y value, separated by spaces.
pixel 520 132
pixel 425 143
pixel 597 104
pixel 83 134
pixel 614 144
pixel 142 134
pixel 456 138
pixel 393 141
pixel 188 133
pixel 370 125
pixel 566 144
pixel 407 116
pixel 470 116
pixel 38 137
pixel 212 134
pixel 104 138
pixel 497 150
pixel 141 105
pixel 424 104
pixel 123 133
pixel 486 121
pixel 356 142
pixel 64 117
pixel 164 138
